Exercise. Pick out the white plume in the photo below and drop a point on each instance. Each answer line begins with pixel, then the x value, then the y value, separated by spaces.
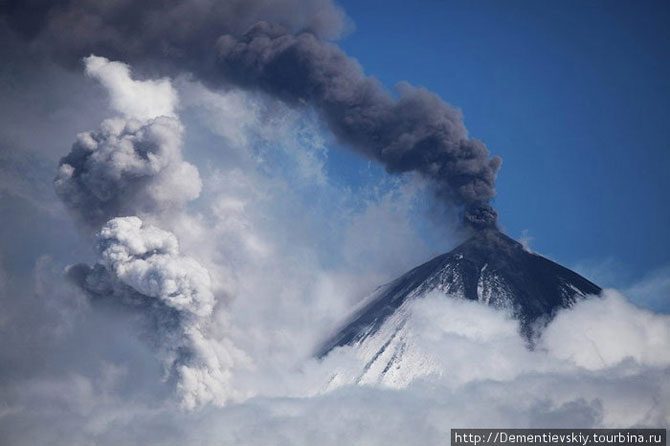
pixel 140 266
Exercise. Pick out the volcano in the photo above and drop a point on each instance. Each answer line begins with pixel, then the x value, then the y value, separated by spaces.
pixel 490 267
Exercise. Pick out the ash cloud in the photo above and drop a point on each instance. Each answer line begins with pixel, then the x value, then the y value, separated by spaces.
pixel 140 267
pixel 131 164
pixel 170 33
pixel 418 132
pixel 257 46
pixel 126 167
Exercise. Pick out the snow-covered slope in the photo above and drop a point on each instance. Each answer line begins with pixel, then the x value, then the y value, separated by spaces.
pixel 490 268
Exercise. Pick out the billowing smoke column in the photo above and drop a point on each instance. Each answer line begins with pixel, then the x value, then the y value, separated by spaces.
pixel 131 164
pixel 417 132
pixel 283 53
pixel 124 168
pixel 140 267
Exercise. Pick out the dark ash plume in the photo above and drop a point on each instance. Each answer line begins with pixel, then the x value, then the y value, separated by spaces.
pixel 171 33
pixel 416 132
pixel 481 216
pixel 285 53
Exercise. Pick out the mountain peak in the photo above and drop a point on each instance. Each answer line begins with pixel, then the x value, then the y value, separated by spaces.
pixel 489 267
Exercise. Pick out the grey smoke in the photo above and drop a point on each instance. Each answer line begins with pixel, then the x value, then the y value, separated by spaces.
pixel 131 164
pixel 140 267
pixel 174 33
pixel 416 132
pixel 285 53
pixel 124 168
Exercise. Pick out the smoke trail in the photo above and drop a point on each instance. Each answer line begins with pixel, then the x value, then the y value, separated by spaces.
pixel 285 54
pixel 140 267
pixel 131 164
pixel 417 132
pixel 124 168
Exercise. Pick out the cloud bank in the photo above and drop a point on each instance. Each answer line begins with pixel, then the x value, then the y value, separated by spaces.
pixel 490 379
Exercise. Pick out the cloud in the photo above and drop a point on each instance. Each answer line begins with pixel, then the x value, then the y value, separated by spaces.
pixel 603 333
pixel 443 337
pixel 258 46
pixel 158 30
pixel 126 167
pixel 270 208
pixel 142 100
pixel 652 290
pixel 43 104
pixel 491 379
pixel 140 267
pixel 418 132
pixel 129 166
pixel 248 227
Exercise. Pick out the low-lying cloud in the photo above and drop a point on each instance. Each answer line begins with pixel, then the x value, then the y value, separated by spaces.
pixel 489 378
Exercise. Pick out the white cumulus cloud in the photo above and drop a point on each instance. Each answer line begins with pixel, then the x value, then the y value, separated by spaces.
pixel 135 99
pixel 140 267
pixel 131 164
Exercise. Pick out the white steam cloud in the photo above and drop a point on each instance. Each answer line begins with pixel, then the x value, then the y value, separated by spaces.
pixel 591 356
pixel 140 267
pixel 131 164
pixel 604 333
pixel 141 100
pixel 489 378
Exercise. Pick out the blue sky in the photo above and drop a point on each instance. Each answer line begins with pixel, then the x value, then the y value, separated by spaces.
pixel 573 95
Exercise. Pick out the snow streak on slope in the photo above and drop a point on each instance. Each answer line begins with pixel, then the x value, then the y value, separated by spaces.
pixel 390 355
pixel 489 268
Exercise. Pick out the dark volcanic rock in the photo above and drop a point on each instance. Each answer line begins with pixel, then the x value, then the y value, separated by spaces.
pixel 489 267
